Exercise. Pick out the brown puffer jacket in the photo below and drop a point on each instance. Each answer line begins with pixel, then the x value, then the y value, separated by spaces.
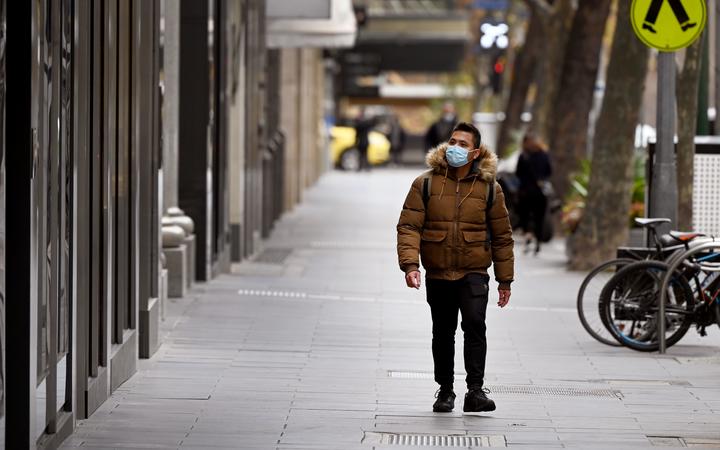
pixel 450 235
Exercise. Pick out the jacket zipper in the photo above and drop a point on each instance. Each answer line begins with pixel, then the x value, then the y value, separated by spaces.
pixel 456 224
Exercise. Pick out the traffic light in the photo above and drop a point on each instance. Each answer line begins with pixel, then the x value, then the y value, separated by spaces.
pixel 496 74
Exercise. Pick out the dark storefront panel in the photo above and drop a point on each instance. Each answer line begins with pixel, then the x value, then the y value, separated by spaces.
pixel 82 217
pixel 78 258
pixel 3 42
pixel 256 134
pixel 274 148
pixel 84 169
pixel 20 138
pixel 195 158
pixel 145 150
pixel 220 55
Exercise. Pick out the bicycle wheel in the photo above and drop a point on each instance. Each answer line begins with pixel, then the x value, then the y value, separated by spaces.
pixel 629 305
pixel 588 299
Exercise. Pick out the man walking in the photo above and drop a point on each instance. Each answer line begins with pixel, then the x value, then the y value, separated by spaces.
pixel 363 126
pixel 454 218
pixel 441 129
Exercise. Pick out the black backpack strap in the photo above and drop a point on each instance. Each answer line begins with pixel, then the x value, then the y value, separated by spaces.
pixel 490 196
pixel 488 206
pixel 427 185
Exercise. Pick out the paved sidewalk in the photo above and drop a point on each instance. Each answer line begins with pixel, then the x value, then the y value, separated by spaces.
pixel 322 347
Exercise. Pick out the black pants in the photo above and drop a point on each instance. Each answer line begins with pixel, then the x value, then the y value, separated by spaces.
pixel 364 163
pixel 468 295
pixel 531 208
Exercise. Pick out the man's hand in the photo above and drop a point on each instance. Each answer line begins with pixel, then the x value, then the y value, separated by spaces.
pixel 504 297
pixel 412 279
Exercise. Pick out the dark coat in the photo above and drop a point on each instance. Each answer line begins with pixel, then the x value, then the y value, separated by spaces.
pixel 362 133
pixel 532 168
pixel 439 132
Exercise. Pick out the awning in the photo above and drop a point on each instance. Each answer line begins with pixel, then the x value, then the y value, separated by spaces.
pixel 310 23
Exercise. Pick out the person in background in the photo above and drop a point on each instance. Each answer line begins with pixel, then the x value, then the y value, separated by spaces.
pixel 396 136
pixel 440 131
pixel 534 169
pixel 363 125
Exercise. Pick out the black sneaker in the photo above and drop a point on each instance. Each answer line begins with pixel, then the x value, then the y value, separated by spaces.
pixel 476 400
pixel 445 400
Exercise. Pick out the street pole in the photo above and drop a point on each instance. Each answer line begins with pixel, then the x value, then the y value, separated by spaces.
pixel 664 182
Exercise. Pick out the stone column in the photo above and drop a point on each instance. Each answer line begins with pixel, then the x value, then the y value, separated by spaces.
pixel 237 68
pixel 289 122
pixel 171 83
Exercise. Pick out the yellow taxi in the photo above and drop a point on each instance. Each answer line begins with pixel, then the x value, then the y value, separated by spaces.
pixel 344 154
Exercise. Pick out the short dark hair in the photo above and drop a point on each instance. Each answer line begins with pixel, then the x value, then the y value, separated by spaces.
pixel 470 128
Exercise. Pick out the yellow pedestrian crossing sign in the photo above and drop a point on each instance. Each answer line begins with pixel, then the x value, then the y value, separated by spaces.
pixel 668 25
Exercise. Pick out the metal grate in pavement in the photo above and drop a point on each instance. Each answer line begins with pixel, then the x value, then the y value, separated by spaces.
pixel 297 294
pixel 270 293
pixel 273 255
pixel 555 391
pixel 434 440
pixel 413 375
pixel 551 391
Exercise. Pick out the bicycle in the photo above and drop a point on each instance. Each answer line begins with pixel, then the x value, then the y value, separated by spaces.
pixel 629 303
pixel 665 246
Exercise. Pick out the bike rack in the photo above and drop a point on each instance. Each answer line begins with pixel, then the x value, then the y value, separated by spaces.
pixel 677 261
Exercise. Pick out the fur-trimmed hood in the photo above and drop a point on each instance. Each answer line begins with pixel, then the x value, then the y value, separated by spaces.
pixel 485 166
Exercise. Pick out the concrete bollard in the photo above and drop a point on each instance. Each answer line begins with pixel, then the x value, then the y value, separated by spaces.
pixel 175 251
pixel 176 217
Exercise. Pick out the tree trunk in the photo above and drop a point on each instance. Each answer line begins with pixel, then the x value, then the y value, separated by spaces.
pixel 604 225
pixel 568 141
pixel 523 74
pixel 686 93
pixel 556 27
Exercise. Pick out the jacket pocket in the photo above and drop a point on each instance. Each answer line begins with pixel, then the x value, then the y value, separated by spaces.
pixel 433 249
pixel 475 237
pixel 478 284
pixel 434 235
pixel 475 253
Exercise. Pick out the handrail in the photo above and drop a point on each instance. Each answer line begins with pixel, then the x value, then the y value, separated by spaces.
pixel 676 262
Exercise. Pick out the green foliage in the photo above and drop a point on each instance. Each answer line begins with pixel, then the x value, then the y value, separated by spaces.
pixel 638 190
pixel 580 181
pixel 577 196
pixel 575 199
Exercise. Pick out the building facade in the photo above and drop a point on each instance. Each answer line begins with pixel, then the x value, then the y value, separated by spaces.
pixel 122 119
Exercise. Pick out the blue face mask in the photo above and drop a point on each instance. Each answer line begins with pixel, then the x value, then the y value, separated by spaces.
pixel 456 156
